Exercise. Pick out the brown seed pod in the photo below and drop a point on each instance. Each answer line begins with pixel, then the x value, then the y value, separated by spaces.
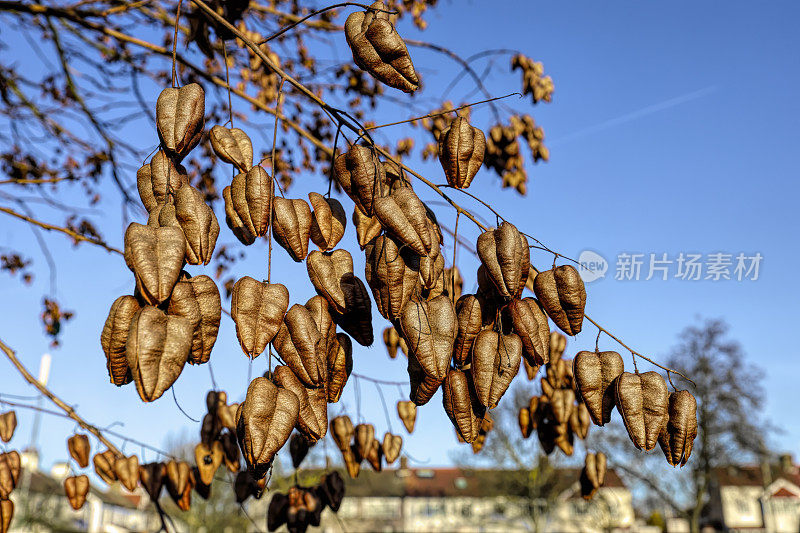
pixel 155 256
pixel 320 312
pixel 375 456
pixel 364 439
pixel 127 471
pixel 76 488
pixel 231 449
pixel 367 228
pixel 351 463
pixel 247 204
pixel 208 460
pixel 198 222
pixel 530 322
pixel 298 449
pixel 234 221
pixel 642 400
pixel 461 405
pixel 580 421
pixel 298 344
pixel 331 490
pixel 430 330
pixel 232 146
pixel 245 486
pixel 505 254
pixel 595 373
pixel 461 149
pixel 392 273
pixel 277 511
pixel 536 407
pixel 391 446
pixel 403 214
pixel 327 270
pixel 431 266
pixel 562 403
pixel 328 221
pixel 530 371
pixel 677 438
pixel 524 420
pixel 342 431
pixel 115 336
pixel 495 362
pixel 557 373
pixel 357 321
pixel 8 423
pixel 362 176
pixel 104 466
pixel 379 49
pixel 177 478
pixel 180 117
pixel 210 429
pixel 202 490
pixel 158 179
pixel 158 348
pixel 340 365
pixel 392 341
pixel 291 225
pixel 312 420
pixel 563 296
pixel 257 308
pixel 152 477
pixel 470 311
pixel 6 514
pixel 10 468
pixel 558 343
pixel 264 423
pixel 197 299
pixel 79 449
pixel 407 411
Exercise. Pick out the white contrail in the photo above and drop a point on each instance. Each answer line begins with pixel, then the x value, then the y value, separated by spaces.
pixel 649 110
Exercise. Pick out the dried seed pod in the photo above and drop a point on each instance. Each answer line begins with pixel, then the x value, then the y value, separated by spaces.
pixel 298 344
pixel 115 336
pixel 524 420
pixel 291 219
pixel 407 411
pixel 580 421
pixel 332 487
pixel 10 468
pixel 8 423
pixel 208 460
pixel 6 514
pixel 391 446
pixel 430 330
pixel 245 486
pixel 375 456
pixel 378 48
pixel 155 256
pixel 320 312
pixel 158 348
pixel 264 423
pixel 250 195
pixel 340 365
pixel 202 490
pixel 431 266
pixel 357 321
pixel 564 438
pixel 328 221
pixel 151 476
pixel 362 176
pixel 342 431
pixel 76 488
pixel 403 214
pixel 505 254
pixel 312 419
pixel 563 296
pixel 677 438
pixel 238 226
pixel 298 449
pixel 180 117
pixel 470 311
pixel 104 466
pixel 590 467
pixel 642 400
pixel 79 449
pixel 558 343
pixel 367 228
pixel 557 373
pixel 197 299
pixel 158 179
pixel 392 341
pixel 231 449
pixel 127 471
pixel 210 429
pixel 198 222
pixel 232 146
pixel 177 478
pixel 277 511
pixel 257 308
pixel 530 371
pixel 595 373
pixel 327 270
pixel 392 273
pixel 461 405
pixel 352 464
pixel 461 149
pixel 365 438
pixel 562 403
pixel 530 323
pixel 495 362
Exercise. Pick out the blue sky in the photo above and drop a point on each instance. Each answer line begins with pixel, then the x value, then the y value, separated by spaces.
pixel 673 129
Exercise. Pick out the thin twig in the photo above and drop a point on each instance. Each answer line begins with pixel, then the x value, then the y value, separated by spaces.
pixel 319 11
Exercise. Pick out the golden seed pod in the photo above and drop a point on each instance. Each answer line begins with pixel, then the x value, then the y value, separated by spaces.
pixel 298 344
pixel 197 299
pixel 115 336
pixel 505 255
pixel 127 471
pixel 595 373
pixel 328 273
pixel 362 176
pixel 495 361
pixel 563 296
pixel 155 256
pixel 233 146
pixel 76 489
pixel 79 449
pixel 159 179
pixel 677 438
pixel 367 228
pixel 643 400
pixel 199 224
pixel 180 117
pixel 461 405
pixel 529 321
pixel 392 273
pixel 291 219
pixel 342 431
pixel 247 204
pixel 257 308
pixel 104 466
pixel 328 221
pixel 340 365
pixel 407 411
pixel 8 424
pixel 461 149
pixel 403 214
pixel 391 447
pixel 312 419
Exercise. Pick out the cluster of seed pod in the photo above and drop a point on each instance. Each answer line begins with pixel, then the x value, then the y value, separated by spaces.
pixel 172 318
pixel 503 152
pixel 358 443
pixel 301 507
pixel 534 82
pixel 10 469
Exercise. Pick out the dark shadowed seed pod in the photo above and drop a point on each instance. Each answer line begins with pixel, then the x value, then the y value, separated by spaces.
pixel 180 117
pixel 152 477
pixel 233 146
pixel 505 254
pixel 115 336
pixel 470 311
pixel 563 296
pixel 357 320
pixel 461 149
pixel 392 273
pixel 340 365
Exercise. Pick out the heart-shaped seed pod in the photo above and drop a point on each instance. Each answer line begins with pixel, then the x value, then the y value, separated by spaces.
pixel 505 254
pixel 8 424
pixel 320 311
pixel 391 446
pixel 298 344
pixel 530 323
pixel 357 321
pixel 76 488
pixel 340 365
pixel 158 348
pixel 558 343
pixel 495 362
pixel 562 403
pixel 298 449
pixel 152 476
pixel 461 149
pixel 642 400
pixel 328 221
pixel 461 405
pixel 594 468
pixel 208 460
pixel 104 466
pixel 6 514
pixel 257 308
pixel 180 117
pixel 379 49
pixel 342 431
pixel 367 228
pixel 291 225
pixel 431 266
pixel 127 471
pixel 580 421
pixel 407 411
pixel 430 331
pixel 79 449
pixel 530 371
pixel 375 456
pixel 155 256
pixel 197 300
pixel 232 146
pixel 392 341
pixel 563 296
pixel 557 373
pixel 392 273
pixel 199 224
pixel 403 214
pixel 115 336
pixel 210 429
pixel 524 420
pixel 470 310
pixel 364 439
pixel 677 438
pixel 264 423
pixel 277 511
pixel 362 176
pixel 10 468
pixel 312 420
pixel 595 373
pixel 177 478
pixel 331 486
pixel 326 270
pixel 238 226
pixel 158 179
pixel 247 211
